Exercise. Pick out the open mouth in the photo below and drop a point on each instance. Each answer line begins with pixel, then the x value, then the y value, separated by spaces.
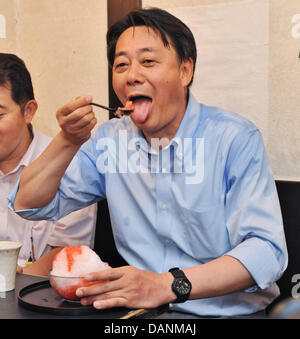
pixel 142 107
pixel 139 97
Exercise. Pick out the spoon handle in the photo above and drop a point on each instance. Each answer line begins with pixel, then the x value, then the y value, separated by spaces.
pixel 104 107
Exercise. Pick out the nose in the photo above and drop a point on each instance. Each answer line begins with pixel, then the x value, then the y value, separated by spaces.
pixel 134 74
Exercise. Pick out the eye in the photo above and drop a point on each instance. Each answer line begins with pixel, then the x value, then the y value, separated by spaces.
pixel 120 66
pixel 148 62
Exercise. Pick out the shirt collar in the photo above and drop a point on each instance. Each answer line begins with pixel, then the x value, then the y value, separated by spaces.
pixel 189 121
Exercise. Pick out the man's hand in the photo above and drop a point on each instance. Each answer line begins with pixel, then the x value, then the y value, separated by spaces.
pixel 77 120
pixel 127 287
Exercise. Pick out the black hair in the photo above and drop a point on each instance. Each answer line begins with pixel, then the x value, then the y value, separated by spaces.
pixel 13 71
pixel 171 29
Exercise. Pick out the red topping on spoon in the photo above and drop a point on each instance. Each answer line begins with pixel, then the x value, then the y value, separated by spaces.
pixel 129 105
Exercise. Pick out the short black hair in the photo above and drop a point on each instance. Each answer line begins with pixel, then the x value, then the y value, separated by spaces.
pixel 169 27
pixel 13 71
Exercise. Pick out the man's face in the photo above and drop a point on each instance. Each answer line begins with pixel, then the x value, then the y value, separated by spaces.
pixel 14 131
pixel 149 73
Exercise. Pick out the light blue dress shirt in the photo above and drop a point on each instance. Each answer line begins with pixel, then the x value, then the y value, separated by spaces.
pixel 209 193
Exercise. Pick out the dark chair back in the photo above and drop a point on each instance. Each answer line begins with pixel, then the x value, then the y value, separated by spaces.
pixel 105 245
pixel 289 197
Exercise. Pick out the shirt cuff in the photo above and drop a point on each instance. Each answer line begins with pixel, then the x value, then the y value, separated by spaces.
pixel 259 259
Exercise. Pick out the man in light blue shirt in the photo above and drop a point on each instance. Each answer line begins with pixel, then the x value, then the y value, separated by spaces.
pixel 188 186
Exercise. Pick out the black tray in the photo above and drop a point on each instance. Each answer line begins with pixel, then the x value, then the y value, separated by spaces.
pixel 41 297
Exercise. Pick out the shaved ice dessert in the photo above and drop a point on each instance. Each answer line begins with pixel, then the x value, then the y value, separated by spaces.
pixel 68 268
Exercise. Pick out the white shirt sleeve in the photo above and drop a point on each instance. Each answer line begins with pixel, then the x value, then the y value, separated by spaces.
pixel 77 228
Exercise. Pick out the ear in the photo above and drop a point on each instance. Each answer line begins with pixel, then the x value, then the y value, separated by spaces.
pixel 29 111
pixel 186 71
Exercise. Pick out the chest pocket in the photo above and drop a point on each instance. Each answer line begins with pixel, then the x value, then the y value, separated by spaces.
pixel 205 232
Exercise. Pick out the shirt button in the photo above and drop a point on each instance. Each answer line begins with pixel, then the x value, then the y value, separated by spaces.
pixel 164 207
pixel 164 170
pixel 180 155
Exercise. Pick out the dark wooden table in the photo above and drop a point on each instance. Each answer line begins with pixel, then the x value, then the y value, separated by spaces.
pixel 12 306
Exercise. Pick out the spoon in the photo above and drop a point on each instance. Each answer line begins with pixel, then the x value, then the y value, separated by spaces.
pixel 114 110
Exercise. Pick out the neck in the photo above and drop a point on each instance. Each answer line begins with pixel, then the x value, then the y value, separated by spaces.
pixel 161 138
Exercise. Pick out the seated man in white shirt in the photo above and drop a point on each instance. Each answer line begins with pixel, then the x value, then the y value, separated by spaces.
pixel 20 144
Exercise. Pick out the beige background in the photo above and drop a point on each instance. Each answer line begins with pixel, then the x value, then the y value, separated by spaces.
pixel 283 123
pixel 233 57
pixel 63 45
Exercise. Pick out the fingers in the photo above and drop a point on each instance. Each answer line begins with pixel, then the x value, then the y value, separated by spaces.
pixel 111 278
pixel 77 119
pixel 75 104
pixel 75 111
pixel 100 288
pixel 103 301
pixel 107 274
pixel 102 291
pixel 109 303
pixel 108 292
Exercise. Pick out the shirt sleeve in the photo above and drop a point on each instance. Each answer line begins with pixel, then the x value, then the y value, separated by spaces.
pixel 253 214
pixel 81 186
pixel 75 229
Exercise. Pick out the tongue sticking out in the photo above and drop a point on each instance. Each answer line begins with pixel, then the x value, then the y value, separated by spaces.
pixel 141 111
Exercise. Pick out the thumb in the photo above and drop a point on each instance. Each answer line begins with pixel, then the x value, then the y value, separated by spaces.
pixel 76 103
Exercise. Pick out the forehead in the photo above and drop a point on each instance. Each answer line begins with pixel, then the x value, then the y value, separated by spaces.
pixel 139 37
pixel 5 90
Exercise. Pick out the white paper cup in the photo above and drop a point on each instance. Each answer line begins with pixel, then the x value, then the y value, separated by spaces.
pixel 9 251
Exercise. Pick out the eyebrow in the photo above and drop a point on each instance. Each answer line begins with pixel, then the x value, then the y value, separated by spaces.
pixel 140 51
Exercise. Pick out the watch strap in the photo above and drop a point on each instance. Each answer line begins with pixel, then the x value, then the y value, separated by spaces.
pixel 179 275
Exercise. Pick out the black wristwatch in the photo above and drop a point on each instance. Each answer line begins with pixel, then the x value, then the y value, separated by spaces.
pixel 181 285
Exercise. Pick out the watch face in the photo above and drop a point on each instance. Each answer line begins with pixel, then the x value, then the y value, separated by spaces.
pixel 182 286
